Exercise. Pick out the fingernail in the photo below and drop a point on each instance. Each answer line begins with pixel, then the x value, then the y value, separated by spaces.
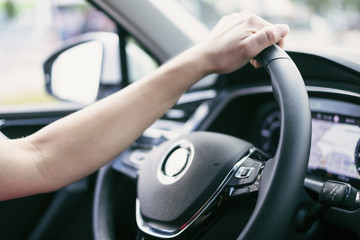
pixel 283 29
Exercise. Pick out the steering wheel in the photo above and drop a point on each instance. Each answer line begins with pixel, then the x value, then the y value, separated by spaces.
pixel 185 184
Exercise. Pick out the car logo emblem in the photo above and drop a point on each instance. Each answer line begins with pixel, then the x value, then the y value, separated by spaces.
pixel 175 162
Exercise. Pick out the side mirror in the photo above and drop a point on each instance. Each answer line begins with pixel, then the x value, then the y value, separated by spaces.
pixel 85 69
pixel 76 73
pixel 88 68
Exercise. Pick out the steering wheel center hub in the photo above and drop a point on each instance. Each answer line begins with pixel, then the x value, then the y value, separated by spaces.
pixel 175 162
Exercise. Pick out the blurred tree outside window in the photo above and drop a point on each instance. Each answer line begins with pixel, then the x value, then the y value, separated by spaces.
pixel 30 30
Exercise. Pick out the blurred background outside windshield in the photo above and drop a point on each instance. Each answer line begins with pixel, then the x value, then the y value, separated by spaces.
pixel 30 30
pixel 318 23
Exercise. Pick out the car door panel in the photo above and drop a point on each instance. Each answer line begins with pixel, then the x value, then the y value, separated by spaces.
pixel 64 214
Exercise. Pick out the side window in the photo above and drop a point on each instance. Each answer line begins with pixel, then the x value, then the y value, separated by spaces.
pixel 31 30
pixel 140 63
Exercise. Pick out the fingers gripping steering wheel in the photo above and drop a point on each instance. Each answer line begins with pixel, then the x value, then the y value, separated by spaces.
pixel 185 181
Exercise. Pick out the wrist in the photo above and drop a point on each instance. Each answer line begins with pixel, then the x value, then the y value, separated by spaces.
pixel 200 59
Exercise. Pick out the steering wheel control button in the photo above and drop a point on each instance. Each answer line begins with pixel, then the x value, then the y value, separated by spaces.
pixel 244 172
pixel 176 162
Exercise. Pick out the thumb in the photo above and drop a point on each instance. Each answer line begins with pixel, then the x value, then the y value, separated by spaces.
pixel 266 37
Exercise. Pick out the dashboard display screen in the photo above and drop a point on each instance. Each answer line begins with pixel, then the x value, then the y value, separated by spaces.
pixel 335 148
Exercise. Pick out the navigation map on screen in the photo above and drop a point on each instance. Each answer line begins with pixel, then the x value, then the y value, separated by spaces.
pixel 334 140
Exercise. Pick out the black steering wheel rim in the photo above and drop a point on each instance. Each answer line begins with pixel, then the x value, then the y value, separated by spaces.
pixel 287 170
pixel 284 175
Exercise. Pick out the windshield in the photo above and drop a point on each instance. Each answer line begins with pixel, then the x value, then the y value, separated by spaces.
pixel 319 23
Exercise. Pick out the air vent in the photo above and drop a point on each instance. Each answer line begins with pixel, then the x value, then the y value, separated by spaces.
pixel 187 105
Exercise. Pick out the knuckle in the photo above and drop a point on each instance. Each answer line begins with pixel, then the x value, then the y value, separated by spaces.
pixel 231 15
pixel 270 35
pixel 252 20
pixel 246 13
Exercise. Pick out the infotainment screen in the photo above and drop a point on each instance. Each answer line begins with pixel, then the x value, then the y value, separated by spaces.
pixel 335 148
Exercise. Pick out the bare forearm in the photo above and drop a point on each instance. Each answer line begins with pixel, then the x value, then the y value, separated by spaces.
pixel 81 143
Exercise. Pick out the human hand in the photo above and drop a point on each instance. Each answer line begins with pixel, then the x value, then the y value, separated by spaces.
pixel 237 39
